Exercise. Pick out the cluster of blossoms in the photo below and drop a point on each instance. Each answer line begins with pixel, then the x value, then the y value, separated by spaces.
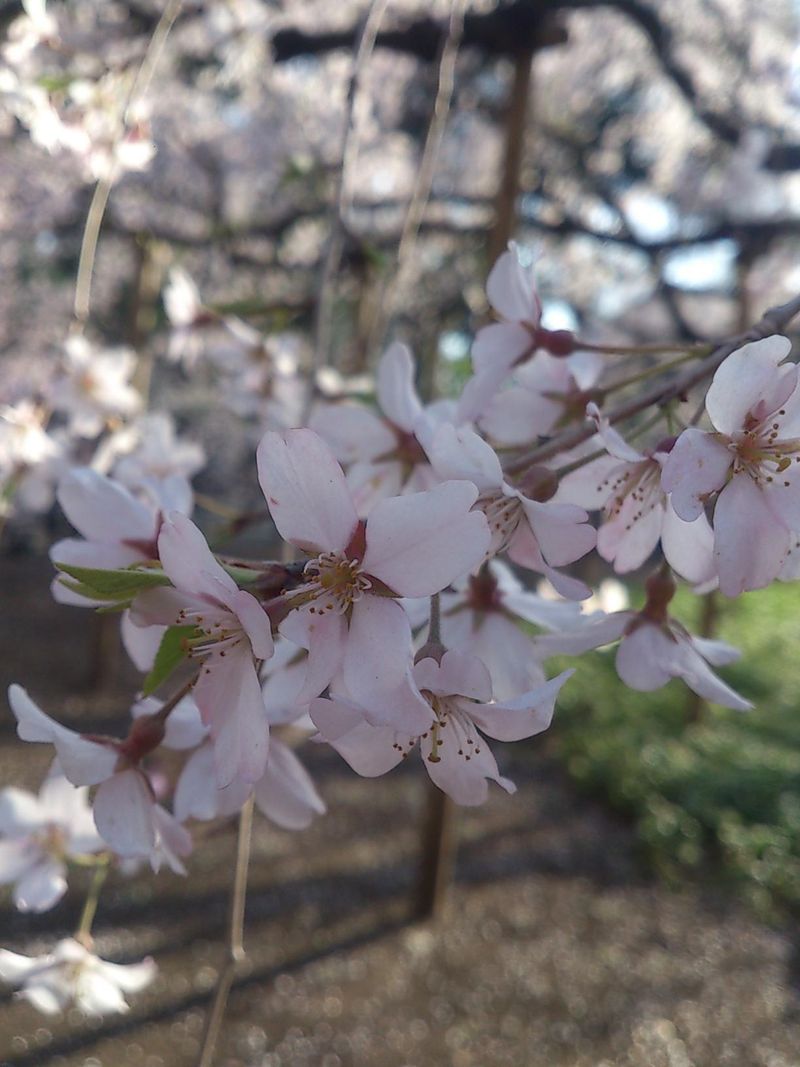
pixel 52 83
pixel 400 627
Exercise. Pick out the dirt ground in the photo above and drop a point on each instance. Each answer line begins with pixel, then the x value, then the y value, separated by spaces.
pixel 558 950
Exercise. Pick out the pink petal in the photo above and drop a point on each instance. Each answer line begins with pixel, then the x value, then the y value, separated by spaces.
pixel 645 658
pixel 370 750
pixel 524 716
pixel 254 620
pixel 511 290
pixel 586 636
pixel 103 510
pixel 419 544
pixel 306 491
pixel 325 636
pixel 630 537
pixel 17 858
pixel 397 395
pixel 286 794
pixel 187 560
pixel 196 789
pixel 123 813
pixel 747 375
pixel 83 762
pixel 517 416
pixel 696 467
pixel 688 546
pixel 615 444
pixel 561 530
pixel 140 642
pixel 371 482
pixel 693 669
pixel 524 550
pixel 462 454
pixel 228 694
pixel 498 347
pixel 750 545
pixel 42 887
pixel 459 672
pixel 352 431
pixel 508 654
pixel 377 666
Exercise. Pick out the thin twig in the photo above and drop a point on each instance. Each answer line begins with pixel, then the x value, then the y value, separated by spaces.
pixel 102 191
pixel 341 203
pixel 387 297
pixel 235 937
pixel 775 320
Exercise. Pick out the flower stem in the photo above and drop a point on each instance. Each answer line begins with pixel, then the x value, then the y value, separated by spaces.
pixel 84 930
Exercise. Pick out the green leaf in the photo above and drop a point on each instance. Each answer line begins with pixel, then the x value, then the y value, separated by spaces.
pixel 112 585
pixel 171 652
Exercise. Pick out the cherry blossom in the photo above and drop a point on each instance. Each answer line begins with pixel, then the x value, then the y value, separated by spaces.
pixel 654 647
pixel 95 386
pixel 410 546
pixel 118 529
pixel 543 391
pixel 149 453
pixel 31 458
pixel 482 617
pixel 232 632
pixel 751 459
pixel 506 344
pixel 638 514
pixel 39 835
pixel 382 451
pixel 126 813
pixel 538 534
pixel 458 691
pixel 72 974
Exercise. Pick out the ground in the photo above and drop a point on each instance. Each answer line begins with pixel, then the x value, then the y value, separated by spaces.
pixel 557 950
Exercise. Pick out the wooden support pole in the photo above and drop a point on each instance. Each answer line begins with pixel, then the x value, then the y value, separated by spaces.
pixel 438 855
pixel 505 218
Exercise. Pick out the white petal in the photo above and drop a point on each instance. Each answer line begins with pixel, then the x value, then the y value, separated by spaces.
pixel 123 813
pixel 306 491
pixel 397 394
pixel 286 794
pixel 419 544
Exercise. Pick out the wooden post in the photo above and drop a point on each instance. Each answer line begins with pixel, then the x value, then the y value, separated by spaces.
pixel 515 127
pixel 438 855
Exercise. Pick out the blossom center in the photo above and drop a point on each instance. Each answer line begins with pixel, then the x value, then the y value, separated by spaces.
pixel 335 583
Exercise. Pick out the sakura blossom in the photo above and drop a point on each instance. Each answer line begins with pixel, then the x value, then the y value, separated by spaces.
pixel 637 513
pixel 126 813
pixel 410 546
pixel 654 648
pixel 383 451
pixel 39 835
pixel 536 533
pixel 73 974
pixel 511 342
pixel 458 691
pixel 232 631
pixel 95 386
pixel 749 462
pixel 482 617
pixel 118 528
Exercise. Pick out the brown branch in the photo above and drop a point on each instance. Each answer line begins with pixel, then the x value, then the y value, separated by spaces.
pixel 775 320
